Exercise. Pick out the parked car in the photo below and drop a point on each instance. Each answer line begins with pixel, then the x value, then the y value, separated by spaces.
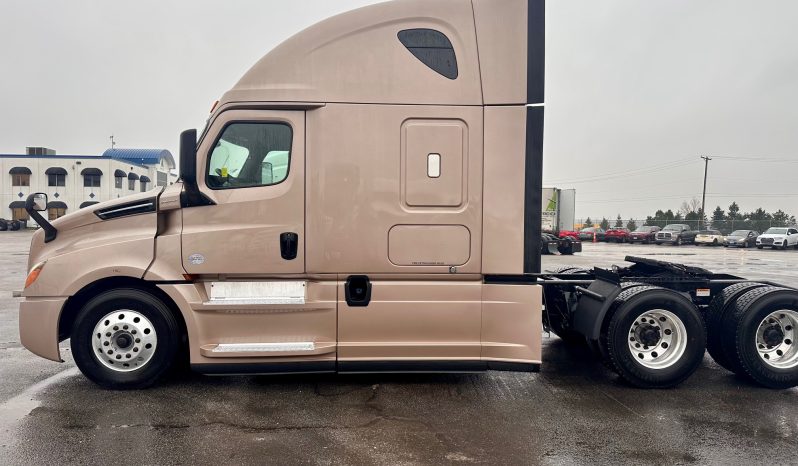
pixel 617 235
pixel 741 238
pixel 645 234
pixel 676 234
pixel 778 237
pixel 587 234
pixel 710 237
pixel 569 234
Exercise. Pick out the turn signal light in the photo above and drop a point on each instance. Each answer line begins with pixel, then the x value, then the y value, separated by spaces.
pixel 34 274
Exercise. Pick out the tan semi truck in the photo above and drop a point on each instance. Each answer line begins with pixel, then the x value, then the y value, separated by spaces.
pixel 367 198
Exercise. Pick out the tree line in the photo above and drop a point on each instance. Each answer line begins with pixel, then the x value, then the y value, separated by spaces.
pixel 690 213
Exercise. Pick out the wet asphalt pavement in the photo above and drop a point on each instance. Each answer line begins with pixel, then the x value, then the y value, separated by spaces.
pixel 573 412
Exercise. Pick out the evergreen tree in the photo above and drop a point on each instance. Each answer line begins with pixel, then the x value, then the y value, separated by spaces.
pixel 605 224
pixel 719 221
pixel 632 225
pixel 619 222
pixel 588 223
pixel 781 219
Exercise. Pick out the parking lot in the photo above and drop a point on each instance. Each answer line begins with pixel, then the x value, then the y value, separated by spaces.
pixel 573 412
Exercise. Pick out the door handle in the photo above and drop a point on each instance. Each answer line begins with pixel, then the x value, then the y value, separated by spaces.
pixel 289 245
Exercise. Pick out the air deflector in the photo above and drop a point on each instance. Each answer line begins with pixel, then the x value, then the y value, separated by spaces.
pixel 432 48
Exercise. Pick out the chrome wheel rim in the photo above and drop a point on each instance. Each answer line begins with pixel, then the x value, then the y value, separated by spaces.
pixel 775 339
pixel 657 339
pixel 124 340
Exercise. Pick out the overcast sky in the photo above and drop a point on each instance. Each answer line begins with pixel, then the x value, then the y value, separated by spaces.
pixel 636 90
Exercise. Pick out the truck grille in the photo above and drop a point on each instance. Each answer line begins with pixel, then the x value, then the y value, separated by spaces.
pixel 767 240
pixel 663 236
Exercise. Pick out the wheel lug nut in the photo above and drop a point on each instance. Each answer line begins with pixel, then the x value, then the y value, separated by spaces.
pixel 664 346
pixel 662 319
pixel 637 345
pixel 654 354
pixel 788 342
pixel 761 346
pixel 668 331
pixel 779 352
pixel 632 339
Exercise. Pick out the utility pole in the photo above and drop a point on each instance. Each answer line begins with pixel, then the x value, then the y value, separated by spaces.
pixel 704 196
pixel 113 144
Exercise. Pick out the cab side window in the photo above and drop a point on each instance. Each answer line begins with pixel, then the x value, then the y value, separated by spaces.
pixel 250 154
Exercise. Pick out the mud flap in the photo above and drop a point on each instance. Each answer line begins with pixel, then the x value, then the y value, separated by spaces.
pixel 594 302
pixel 553 249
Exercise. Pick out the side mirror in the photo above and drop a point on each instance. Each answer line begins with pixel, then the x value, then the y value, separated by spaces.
pixel 191 196
pixel 188 156
pixel 39 202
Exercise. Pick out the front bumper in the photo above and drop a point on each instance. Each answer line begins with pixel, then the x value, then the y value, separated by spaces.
pixel 38 326
pixel 670 240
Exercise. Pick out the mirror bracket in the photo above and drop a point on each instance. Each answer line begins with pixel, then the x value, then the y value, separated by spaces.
pixel 50 232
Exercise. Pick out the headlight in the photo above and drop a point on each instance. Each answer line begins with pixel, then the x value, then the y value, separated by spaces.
pixel 34 273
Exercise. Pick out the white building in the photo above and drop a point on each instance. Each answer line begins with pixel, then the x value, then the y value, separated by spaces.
pixel 73 182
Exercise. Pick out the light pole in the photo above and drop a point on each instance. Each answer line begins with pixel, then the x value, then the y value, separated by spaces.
pixel 704 196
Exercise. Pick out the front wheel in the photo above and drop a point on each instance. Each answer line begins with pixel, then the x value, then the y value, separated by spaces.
pixel 678 241
pixel 655 338
pixel 125 339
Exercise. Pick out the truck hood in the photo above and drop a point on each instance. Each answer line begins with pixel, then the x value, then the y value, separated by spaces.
pixel 82 229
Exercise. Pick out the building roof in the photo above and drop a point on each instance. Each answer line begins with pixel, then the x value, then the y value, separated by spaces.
pixel 138 157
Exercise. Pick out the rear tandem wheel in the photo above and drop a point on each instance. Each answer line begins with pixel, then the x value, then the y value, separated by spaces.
pixel 654 337
pixel 759 336
pixel 718 312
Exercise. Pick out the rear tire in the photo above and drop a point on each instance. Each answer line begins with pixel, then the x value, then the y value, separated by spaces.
pixel 125 339
pixel 719 311
pixel 763 340
pixel 655 337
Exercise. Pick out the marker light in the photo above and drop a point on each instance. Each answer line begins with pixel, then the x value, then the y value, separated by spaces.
pixel 34 273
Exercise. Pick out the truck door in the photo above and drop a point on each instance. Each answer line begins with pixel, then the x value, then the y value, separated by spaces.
pixel 251 164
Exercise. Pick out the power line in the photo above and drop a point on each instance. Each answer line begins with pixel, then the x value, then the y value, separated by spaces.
pixel 623 174
pixel 756 159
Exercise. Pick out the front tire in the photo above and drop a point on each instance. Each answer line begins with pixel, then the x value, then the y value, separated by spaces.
pixel 125 339
pixel 655 338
